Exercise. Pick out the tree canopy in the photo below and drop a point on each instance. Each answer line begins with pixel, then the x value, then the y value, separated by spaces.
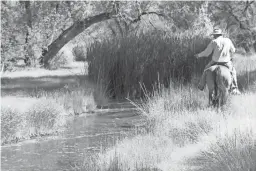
pixel 29 26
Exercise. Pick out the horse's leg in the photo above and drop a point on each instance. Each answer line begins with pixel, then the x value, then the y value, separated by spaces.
pixel 220 99
pixel 210 98
pixel 224 96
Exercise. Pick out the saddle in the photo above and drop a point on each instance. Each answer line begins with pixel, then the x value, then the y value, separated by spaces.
pixel 230 69
pixel 222 64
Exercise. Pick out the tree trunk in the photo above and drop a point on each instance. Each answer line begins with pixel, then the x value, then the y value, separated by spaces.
pixel 70 33
pixel 28 47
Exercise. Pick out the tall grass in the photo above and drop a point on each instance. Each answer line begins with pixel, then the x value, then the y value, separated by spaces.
pixel 246 69
pixel 123 63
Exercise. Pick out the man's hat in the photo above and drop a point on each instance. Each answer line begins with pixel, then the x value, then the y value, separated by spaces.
pixel 217 32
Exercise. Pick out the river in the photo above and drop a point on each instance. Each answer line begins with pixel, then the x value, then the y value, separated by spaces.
pixel 85 135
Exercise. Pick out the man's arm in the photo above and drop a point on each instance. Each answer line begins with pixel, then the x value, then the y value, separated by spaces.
pixel 207 51
pixel 232 50
pixel 232 47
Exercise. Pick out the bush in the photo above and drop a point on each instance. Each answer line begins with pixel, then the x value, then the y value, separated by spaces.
pixel 30 117
pixel 124 63
pixel 11 121
pixel 58 61
pixel 45 116
pixel 79 53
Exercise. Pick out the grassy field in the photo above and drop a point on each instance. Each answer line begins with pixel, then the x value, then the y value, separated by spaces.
pixel 183 134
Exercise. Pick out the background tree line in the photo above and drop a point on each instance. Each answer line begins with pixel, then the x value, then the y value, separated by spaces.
pixel 39 29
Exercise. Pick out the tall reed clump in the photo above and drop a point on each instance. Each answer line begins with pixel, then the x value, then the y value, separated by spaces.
pixel 122 63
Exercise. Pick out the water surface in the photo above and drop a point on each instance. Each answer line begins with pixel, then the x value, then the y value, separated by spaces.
pixel 85 135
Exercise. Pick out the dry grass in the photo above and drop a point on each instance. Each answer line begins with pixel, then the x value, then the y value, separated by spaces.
pixel 191 140
pixel 246 69
pixel 23 118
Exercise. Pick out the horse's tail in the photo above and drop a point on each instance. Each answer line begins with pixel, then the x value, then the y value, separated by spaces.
pixel 220 85
pixel 216 76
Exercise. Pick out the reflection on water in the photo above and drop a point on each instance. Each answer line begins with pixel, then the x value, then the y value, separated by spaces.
pixel 85 135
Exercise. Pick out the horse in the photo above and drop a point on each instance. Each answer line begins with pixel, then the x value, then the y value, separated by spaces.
pixel 218 80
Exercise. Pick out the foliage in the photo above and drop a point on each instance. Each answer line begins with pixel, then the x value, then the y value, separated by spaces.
pixel 12 32
pixel 59 61
pixel 27 29
pixel 238 19
pixel 64 57
pixel 48 20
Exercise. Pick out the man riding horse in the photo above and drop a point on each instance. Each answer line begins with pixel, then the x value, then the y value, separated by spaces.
pixel 222 49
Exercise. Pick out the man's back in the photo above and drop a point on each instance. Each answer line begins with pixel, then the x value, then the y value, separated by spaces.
pixel 222 49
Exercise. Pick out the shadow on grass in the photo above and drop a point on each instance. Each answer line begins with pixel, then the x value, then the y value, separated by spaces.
pixel 223 158
pixel 47 83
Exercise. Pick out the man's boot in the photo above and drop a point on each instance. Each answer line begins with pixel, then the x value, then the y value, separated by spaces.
pixel 234 87
pixel 201 84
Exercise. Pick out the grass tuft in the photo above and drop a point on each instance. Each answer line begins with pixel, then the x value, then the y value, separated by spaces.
pixel 23 121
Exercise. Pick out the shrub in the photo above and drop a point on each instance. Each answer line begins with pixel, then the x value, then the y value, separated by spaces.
pixel 63 57
pixel 11 120
pixel 79 53
pixel 27 117
pixel 58 61
pixel 45 116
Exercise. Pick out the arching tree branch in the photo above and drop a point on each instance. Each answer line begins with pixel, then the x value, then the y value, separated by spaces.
pixel 146 13
pixel 70 33
pixel 79 27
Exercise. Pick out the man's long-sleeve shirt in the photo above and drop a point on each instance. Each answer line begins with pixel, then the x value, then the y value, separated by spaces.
pixel 221 47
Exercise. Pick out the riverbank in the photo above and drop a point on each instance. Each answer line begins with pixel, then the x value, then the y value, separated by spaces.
pixel 184 135
pixel 73 68
pixel 37 102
